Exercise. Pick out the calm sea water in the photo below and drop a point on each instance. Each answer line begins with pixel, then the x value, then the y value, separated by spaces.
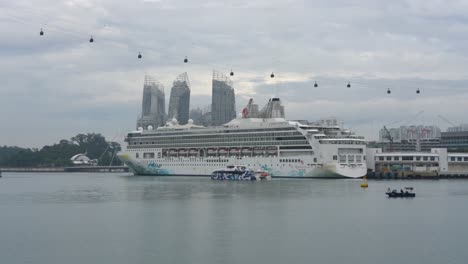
pixel 118 218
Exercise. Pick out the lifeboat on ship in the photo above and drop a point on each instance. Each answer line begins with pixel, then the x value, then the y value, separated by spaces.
pixel 193 152
pixel 182 151
pixel 211 151
pixel 234 151
pixel 258 150
pixel 246 151
pixel 271 150
pixel 223 151
pixel 173 152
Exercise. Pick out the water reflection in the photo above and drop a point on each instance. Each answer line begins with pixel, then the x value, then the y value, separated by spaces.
pixel 160 188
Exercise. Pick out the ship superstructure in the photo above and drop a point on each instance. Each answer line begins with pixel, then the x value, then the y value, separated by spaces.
pixel 280 147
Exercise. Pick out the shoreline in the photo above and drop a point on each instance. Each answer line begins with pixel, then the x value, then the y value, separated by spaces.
pixel 101 169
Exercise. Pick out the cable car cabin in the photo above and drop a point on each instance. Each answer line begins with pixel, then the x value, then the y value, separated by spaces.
pixel 139 55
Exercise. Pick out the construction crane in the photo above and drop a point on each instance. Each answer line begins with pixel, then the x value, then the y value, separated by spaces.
pixel 388 136
pixel 446 120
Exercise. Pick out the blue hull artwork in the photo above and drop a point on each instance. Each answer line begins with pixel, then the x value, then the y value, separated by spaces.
pixel 155 168
pixel 229 176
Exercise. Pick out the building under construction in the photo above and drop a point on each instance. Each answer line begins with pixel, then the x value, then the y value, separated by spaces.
pixel 179 102
pixel 223 102
pixel 153 104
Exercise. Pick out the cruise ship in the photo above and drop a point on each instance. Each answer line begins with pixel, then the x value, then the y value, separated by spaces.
pixel 264 141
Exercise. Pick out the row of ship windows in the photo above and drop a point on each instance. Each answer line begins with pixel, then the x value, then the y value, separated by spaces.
pixel 217 137
pixel 151 155
pixel 407 158
pixel 359 158
pixel 231 136
pixel 218 144
pixel 290 160
pixel 234 131
pixel 344 142
pixel 254 139
pixel 458 158
pixel 222 164
pixel 415 165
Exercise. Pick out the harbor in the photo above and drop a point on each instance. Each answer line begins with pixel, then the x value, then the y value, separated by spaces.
pixel 434 164
pixel 138 218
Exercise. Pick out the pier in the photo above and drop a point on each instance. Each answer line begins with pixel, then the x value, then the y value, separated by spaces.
pixel 70 169
pixel 411 175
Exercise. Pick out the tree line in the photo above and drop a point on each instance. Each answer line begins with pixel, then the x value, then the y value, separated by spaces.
pixel 93 145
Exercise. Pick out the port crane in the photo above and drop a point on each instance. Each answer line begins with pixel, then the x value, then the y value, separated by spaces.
pixel 388 136
pixel 446 120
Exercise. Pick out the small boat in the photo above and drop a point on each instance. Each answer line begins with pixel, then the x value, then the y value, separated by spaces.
pixel 408 192
pixel 239 173
pixel 262 175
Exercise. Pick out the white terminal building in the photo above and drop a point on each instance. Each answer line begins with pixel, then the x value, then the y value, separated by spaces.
pixel 438 162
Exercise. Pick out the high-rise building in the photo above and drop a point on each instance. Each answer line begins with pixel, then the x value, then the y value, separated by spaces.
pixel 196 115
pixel 460 128
pixel 153 104
pixel 179 102
pixel 223 101
pixel 201 117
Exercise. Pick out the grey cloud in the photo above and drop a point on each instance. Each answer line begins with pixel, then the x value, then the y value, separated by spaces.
pixel 61 84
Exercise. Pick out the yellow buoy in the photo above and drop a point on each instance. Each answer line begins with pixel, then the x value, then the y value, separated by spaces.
pixel 364 183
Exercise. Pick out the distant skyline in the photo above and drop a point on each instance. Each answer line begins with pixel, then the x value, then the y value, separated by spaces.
pixel 57 85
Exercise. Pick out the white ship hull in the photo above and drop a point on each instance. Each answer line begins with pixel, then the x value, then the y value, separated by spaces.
pixel 302 167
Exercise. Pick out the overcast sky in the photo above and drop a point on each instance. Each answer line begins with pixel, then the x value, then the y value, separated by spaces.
pixel 57 85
